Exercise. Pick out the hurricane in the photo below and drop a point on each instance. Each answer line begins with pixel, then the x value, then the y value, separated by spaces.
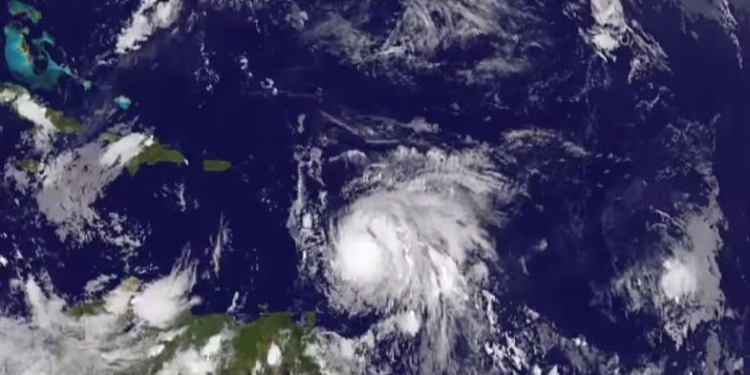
pixel 414 247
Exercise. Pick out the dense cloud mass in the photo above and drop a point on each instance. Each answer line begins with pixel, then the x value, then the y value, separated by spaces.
pixel 53 341
pixel 414 244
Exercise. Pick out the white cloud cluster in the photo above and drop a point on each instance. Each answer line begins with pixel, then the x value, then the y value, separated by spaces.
pixel 51 342
pixel 150 16
pixel 422 29
pixel 612 30
pixel 74 180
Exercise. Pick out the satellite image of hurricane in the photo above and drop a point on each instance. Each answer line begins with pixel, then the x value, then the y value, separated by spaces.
pixel 375 187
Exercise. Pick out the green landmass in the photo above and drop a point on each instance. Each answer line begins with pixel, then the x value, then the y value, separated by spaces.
pixel 17 8
pixel 29 165
pixel 252 342
pixel 311 318
pixel 130 284
pixel 96 307
pixel 10 93
pixel 216 165
pixel 198 330
pixel 153 154
pixel 63 124
pixel 245 349
pixel 249 345
pixel 85 309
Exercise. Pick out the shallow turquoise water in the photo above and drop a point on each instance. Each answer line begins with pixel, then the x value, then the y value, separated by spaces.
pixel 123 102
pixel 21 63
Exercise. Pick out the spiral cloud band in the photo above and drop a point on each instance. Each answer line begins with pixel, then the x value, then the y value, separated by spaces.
pixel 413 247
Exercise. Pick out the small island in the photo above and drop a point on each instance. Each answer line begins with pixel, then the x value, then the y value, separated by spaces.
pixel 23 53
pixel 20 60
pixel 123 102
pixel 109 137
pixel 20 9
pixel 29 165
pixel 216 165
pixel 65 125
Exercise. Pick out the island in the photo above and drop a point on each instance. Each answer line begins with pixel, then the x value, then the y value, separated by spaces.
pixel 22 55
pixel 29 165
pixel 20 9
pixel 109 137
pixel 20 60
pixel 29 109
pixel 216 165
pixel 154 153
pixel 123 102
pixel 65 125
